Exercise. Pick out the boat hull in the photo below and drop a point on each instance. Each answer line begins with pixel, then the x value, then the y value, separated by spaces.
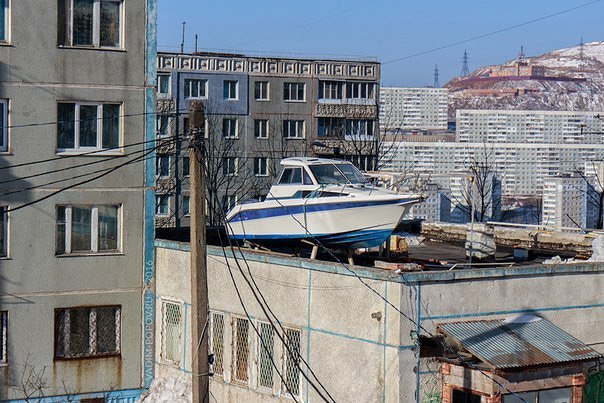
pixel 337 224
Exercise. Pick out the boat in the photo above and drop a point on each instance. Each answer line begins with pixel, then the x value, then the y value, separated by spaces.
pixel 325 202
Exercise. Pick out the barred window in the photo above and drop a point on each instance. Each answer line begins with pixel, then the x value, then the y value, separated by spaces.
pixel 266 350
pixel 87 332
pixel 217 342
pixel 241 350
pixel 3 336
pixel 171 332
pixel 291 362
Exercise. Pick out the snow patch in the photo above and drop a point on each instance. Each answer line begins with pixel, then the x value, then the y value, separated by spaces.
pixel 168 390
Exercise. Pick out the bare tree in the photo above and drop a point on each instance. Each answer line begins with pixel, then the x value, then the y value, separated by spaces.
pixel 594 191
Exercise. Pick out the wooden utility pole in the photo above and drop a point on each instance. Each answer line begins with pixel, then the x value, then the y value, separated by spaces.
pixel 199 278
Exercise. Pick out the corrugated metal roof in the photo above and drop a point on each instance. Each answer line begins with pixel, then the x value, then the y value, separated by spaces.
pixel 506 344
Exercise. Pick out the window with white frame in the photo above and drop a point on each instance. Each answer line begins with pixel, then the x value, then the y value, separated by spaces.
pixel 359 127
pixel 229 166
pixel 294 92
pixel 162 205
pixel 185 166
pixel 162 125
pixel 228 202
pixel 3 125
pixel 229 128
pixel 171 332
pixel 162 165
pixel 261 128
pixel 3 231
pixel 241 350
pixel 88 126
pixel 3 337
pixel 87 332
pixel 266 354
pixel 186 205
pixel 359 90
pixel 88 229
pixel 196 88
pixel 231 89
pixel 4 6
pixel 330 89
pixel 291 362
pixel 163 85
pixel 217 342
pixel 261 166
pixel 95 23
pixel 261 91
pixel 293 129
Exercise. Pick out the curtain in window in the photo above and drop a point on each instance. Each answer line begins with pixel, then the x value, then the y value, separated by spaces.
pixel 111 126
pixel 82 22
pixel 88 125
pixel 65 126
pixel 108 228
pixel 81 218
pixel 110 24
pixel 106 330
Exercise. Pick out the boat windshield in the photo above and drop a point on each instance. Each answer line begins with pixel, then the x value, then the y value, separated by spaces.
pixel 337 173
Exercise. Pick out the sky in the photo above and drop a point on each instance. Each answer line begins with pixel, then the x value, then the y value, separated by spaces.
pixel 385 30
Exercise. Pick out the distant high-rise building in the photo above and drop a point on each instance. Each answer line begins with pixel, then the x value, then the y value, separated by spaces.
pixel 567 202
pixel 406 109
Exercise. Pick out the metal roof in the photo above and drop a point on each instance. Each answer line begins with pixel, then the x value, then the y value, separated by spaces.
pixel 517 342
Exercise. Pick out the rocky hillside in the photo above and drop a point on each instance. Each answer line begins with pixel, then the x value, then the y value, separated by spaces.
pixel 571 82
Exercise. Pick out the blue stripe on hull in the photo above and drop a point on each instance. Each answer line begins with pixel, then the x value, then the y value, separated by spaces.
pixel 310 208
pixel 352 239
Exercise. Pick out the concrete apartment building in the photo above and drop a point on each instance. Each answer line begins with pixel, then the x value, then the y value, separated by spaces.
pixel 435 207
pixel 404 109
pixel 569 201
pixel 76 103
pixel 259 110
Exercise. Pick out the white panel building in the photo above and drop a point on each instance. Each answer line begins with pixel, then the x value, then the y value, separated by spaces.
pixel 567 202
pixel 413 109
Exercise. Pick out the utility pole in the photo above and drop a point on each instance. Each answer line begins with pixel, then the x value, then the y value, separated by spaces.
pixel 182 42
pixel 199 275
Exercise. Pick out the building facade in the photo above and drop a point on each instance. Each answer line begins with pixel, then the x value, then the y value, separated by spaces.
pixel 436 205
pixel 258 111
pixel 74 79
pixel 404 109
pixel 569 201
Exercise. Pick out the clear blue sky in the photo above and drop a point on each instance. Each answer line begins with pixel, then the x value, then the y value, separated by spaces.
pixel 384 29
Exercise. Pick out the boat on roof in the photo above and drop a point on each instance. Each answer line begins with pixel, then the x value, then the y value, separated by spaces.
pixel 323 201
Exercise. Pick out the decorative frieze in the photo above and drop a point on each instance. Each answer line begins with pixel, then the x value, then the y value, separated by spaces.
pixel 165 185
pixel 346 111
pixel 165 146
pixel 165 105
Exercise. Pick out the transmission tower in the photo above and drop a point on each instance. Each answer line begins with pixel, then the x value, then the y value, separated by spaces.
pixel 581 49
pixel 521 55
pixel 436 84
pixel 465 71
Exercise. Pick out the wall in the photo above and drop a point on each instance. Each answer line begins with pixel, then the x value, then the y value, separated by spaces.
pixel 358 345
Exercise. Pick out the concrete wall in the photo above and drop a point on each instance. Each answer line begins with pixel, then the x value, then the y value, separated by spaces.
pixel 359 346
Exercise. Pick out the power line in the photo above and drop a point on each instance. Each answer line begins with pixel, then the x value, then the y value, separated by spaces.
pixel 509 28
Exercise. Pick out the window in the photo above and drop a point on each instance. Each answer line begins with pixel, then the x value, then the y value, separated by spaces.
pixel 195 88
pixel 87 332
pixel 162 125
pixel 229 166
pixel 558 395
pixel 228 202
pixel 88 229
pixel 291 364
pixel 261 128
pixel 359 127
pixel 330 89
pixel 331 127
pixel 162 205
pixel 3 337
pixel 162 165
pixel 261 166
pixel 96 23
pixel 294 91
pixel 291 176
pixel 87 126
pixel 261 91
pixel 171 332
pixel 3 231
pixel 266 352
pixel 229 128
pixel 4 20
pixel 217 342
pixel 185 166
pixel 241 350
pixel 359 90
pixel 163 85
pixel 186 205
pixel 231 89
pixel 3 124
pixel 293 129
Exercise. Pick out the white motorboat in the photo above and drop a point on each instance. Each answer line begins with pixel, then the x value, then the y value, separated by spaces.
pixel 323 201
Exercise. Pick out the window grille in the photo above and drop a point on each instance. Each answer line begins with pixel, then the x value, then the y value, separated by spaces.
pixel 292 362
pixel 241 354
pixel 171 332
pixel 218 342
pixel 266 351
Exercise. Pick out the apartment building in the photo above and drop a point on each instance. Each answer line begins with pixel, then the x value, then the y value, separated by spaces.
pixel 76 229
pixel 405 109
pixel 436 205
pixel 258 111
pixel 569 202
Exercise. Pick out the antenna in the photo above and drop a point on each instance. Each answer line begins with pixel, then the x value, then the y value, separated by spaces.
pixel 195 43
pixel 465 71
pixel 521 55
pixel 581 49
pixel 182 42
pixel 436 84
